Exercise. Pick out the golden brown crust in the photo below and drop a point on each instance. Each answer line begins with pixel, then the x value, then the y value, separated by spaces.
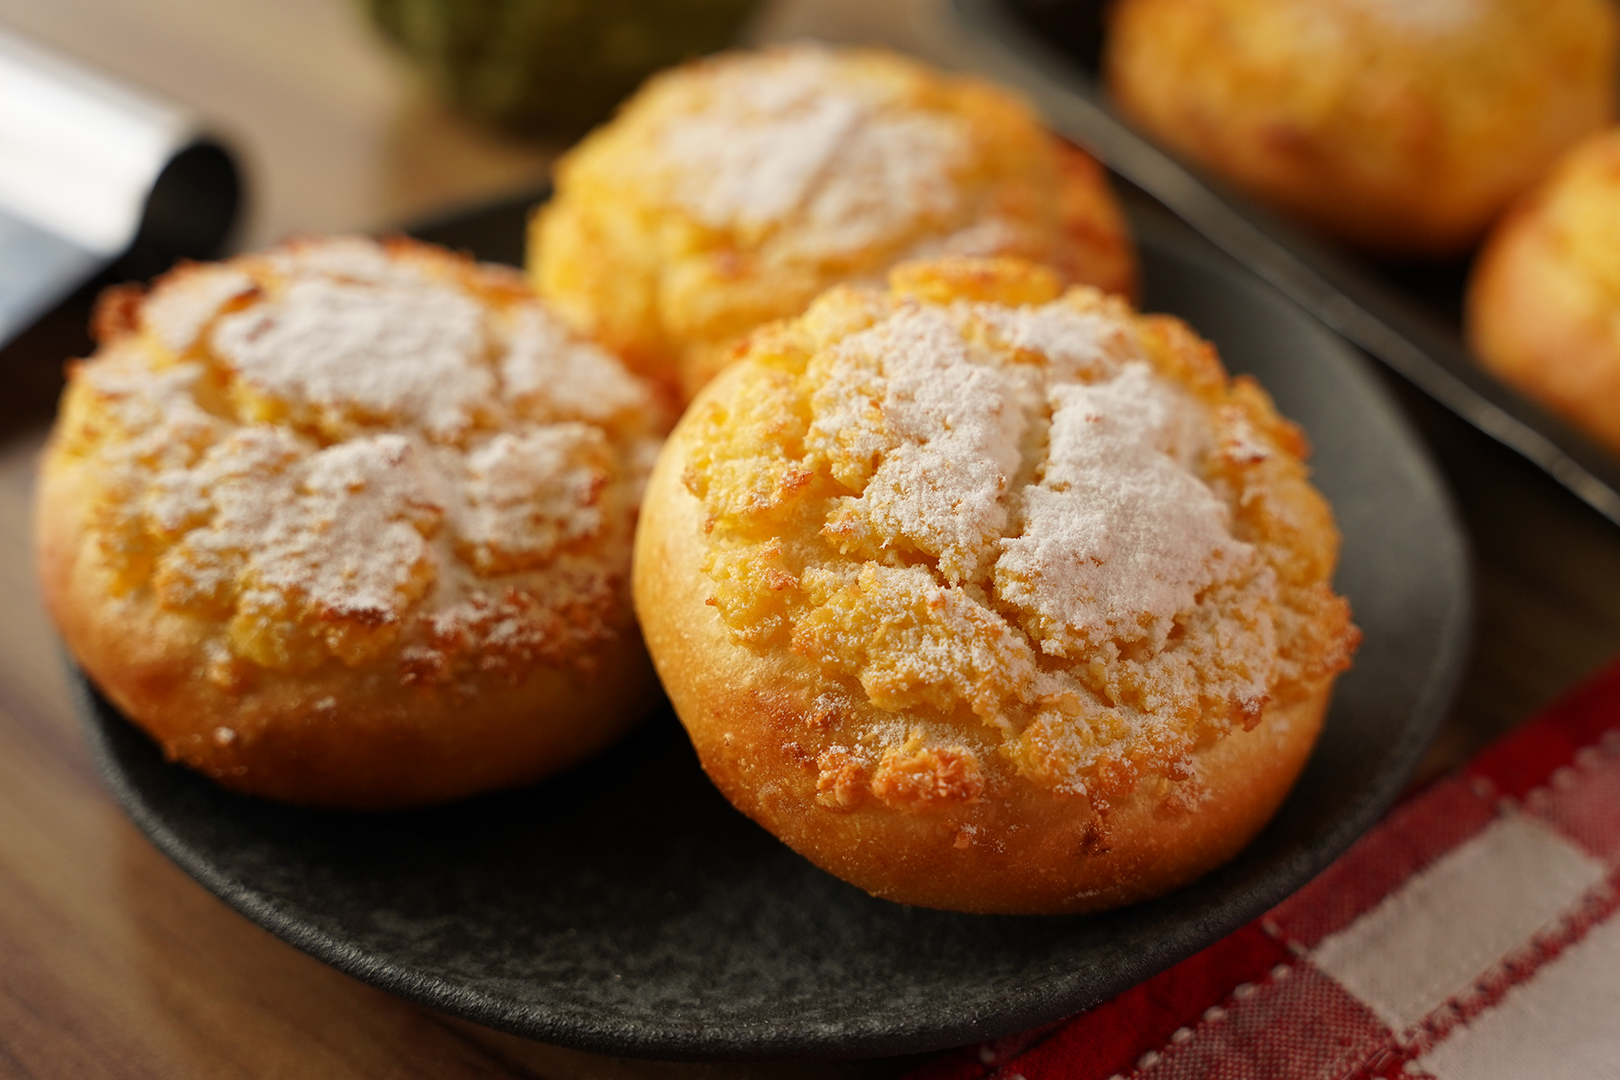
pixel 1545 291
pixel 732 191
pixel 1393 127
pixel 297 562
pixel 914 721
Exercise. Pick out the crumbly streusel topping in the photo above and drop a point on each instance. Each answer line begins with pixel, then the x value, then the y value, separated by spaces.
pixel 1048 516
pixel 342 451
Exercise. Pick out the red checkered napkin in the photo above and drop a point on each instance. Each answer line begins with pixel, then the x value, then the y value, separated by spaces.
pixel 1470 936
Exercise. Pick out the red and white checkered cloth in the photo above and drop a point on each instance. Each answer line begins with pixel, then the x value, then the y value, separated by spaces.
pixel 1470 936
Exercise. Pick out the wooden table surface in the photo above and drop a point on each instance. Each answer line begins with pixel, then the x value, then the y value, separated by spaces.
pixel 113 962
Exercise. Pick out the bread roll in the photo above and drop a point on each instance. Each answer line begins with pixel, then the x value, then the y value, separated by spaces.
pixel 1543 305
pixel 349 524
pixel 732 191
pixel 988 596
pixel 1397 126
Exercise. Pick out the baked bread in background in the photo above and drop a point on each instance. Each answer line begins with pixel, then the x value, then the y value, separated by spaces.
pixel 988 596
pixel 1397 126
pixel 349 524
pixel 732 191
pixel 1543 303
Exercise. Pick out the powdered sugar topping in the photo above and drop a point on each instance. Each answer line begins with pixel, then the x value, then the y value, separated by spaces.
pixel 930 436
pixel 340 532
pixel 1116 534
pixel 178 311
pixel 529 494
pixel 365 353
pixel 361 434
pixel 1069 344
pixel 1120 536
pixel 554 375
pixel 354 533
pixel 796 136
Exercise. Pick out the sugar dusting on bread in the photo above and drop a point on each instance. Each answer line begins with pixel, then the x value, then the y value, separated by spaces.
pixel 340 532
pixel 363 442
pixel 363 352
pixel 177 316
pixel 551 374
pixel 1028 512
pixel 1121 535
pixel 794 137
pixel 929 436
pixel 530 495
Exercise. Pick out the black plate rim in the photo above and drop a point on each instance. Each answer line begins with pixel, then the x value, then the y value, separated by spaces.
pixel 1033 1005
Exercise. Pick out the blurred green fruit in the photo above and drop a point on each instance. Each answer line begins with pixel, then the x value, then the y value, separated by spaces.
pixel 551 66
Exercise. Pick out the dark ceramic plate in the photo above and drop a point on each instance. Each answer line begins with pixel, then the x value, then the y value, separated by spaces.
pixel 626 908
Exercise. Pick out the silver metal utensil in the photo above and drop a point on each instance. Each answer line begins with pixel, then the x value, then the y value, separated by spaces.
pixel 91 172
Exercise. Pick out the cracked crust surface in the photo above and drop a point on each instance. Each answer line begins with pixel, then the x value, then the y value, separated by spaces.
pixel 733 191
pixel 349 523
pixel 990 596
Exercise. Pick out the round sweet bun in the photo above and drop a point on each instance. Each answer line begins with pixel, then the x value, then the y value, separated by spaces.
pixel 1543 302
pixel 349 524
pixel 733 191
pixel 988 596
pixel 1398 126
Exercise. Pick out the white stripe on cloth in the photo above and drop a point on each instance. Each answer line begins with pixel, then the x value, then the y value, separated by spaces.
pixel 1433 937
pixel 1564 1024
